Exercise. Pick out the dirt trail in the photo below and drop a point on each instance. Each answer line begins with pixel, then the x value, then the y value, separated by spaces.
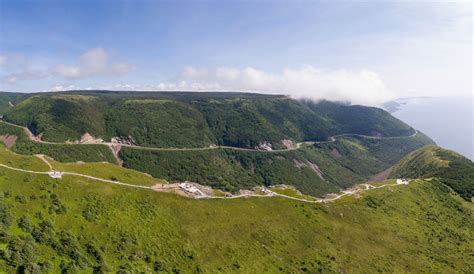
pixel 43 158
pixel 75 174
pixel 168 187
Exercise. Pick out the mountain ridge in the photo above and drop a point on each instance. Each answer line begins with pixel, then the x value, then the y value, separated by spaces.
pixel 195 119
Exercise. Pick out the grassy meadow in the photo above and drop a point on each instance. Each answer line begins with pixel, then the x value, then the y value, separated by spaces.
pixel 80 225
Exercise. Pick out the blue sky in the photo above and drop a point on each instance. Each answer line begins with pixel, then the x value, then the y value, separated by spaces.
pixel 365 52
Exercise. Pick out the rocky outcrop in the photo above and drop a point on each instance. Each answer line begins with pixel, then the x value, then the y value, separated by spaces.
pixel 86 138
pixel 89 139
pixel 128 140
pixel 266 146
pixel 288 144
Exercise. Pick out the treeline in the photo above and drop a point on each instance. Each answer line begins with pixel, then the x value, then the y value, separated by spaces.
pixel 67 153
pixel 59 152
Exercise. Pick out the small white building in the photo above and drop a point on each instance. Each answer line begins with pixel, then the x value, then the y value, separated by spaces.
pixel 402 182
pixel 55 174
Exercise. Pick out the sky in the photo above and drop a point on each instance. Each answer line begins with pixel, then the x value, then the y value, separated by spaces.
pixel 362 52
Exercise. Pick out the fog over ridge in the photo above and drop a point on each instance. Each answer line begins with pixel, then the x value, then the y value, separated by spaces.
pixel 362 86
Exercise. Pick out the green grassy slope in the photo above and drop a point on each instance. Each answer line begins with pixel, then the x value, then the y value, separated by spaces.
pixel 183 119
pixel 392 150
pixel 108 171
pixel 453 169
pixel 77 225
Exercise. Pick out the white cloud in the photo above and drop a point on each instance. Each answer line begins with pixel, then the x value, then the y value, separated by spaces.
pixel 192 72
pixel 92 63
pixel 357 87
pixel 13 78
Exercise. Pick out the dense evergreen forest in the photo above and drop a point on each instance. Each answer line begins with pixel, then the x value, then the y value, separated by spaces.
pixel 173 119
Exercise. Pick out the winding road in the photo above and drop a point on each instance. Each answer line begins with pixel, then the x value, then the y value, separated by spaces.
pixel 113 145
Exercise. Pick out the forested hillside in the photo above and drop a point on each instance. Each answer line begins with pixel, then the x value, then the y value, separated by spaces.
pixel 174 119
pixel 313 169
pixel 9 99
pixel 60 152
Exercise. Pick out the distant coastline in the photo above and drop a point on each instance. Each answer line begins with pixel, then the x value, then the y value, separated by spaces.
pixel 449 121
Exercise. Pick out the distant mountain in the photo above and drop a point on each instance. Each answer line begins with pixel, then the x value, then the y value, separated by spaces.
pixel 183 119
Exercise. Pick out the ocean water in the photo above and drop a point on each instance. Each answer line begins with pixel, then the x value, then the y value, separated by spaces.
pixel 448 121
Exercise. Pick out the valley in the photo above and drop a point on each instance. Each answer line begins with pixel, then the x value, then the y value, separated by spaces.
pixel 309 164
pixel 193 190
pixel 367 192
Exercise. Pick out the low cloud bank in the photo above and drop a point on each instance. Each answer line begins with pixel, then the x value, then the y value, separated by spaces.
pixel 356 87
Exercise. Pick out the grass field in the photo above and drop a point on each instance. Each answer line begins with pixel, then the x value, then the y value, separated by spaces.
pixel 108 171
pixel 78 225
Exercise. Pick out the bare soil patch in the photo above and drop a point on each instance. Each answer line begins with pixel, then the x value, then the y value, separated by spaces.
pixel 8 140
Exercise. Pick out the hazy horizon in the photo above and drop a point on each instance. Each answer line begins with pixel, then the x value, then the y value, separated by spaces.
pixel 361 52
pixel 449 121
